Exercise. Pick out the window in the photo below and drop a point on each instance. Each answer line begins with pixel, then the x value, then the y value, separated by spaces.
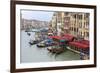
pixel 75 16
pixel 87 34
pixel 77 29
pixel 66 13
pixel 87 15
pixel 84 34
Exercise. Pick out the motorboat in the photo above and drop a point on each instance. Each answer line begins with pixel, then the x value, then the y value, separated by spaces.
pixel 46 43
pixel 32 42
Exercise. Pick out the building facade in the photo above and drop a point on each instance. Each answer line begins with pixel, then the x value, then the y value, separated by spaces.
pixel 74 23
pixel 79 25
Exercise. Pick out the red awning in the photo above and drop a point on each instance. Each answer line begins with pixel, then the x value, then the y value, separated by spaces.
pixel 68 37
pixel 55 37
pixel 80 44
pixel 84 42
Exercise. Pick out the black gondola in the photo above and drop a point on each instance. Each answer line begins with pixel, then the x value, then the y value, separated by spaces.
pixel 28 34
pixel 56 50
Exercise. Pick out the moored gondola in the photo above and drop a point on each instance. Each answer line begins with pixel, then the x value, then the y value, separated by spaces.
pixel 56 50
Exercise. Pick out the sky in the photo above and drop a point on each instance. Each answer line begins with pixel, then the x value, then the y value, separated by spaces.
pixel 38 15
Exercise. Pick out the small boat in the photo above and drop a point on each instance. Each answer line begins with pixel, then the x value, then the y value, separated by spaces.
pixel 41 45
pixel 28 34
pixel 56 50
pixel 46 43
pixel 32 42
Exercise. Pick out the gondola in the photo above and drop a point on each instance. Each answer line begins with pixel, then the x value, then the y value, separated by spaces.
pixel 28 34
pixel 46 43
pixel 55 50
pixel 32 42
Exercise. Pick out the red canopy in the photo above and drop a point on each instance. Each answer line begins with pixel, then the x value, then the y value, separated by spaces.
pixel 84 44
pixel 68 37
pixel 55 37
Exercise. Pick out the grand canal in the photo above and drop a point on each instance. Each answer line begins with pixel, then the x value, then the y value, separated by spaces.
pixel 31 53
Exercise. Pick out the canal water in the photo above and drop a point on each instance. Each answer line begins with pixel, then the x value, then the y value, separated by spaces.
pixel 32 53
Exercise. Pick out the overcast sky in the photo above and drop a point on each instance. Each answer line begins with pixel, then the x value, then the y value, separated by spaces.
pixel 38 15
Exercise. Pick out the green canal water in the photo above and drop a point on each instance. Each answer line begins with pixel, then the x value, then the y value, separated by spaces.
pixel 32 53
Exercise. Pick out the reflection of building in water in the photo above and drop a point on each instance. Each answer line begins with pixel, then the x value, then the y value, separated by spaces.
pixel 75 23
